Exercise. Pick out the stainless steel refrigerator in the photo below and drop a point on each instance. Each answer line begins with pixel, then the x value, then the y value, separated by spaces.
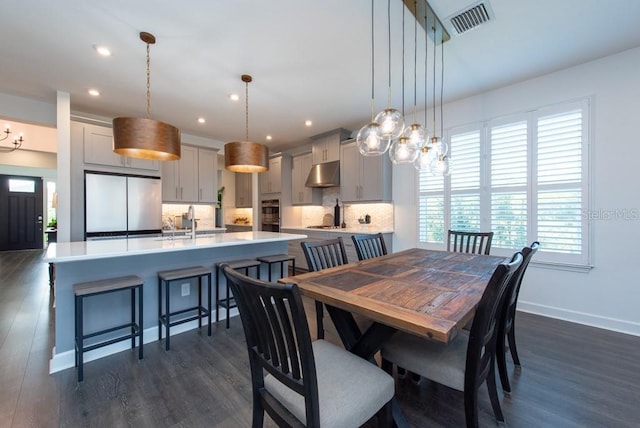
pixel 118 205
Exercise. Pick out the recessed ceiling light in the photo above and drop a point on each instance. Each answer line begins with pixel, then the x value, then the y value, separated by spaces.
pixel 234 97
pixel 269 137
pixel 102 50
pixel 94 92
pixel 201 120
pixel 308 123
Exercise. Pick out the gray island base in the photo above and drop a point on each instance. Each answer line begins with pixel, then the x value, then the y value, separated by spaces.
pixel 93 260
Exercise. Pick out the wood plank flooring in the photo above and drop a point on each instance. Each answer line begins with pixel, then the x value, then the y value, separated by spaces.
pixel 572 375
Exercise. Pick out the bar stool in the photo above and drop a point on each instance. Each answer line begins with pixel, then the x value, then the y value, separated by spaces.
pixel 279 258
pixel 85 290
pixel 168 277
pixel 229 302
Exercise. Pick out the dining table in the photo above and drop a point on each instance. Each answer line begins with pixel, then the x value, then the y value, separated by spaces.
pixel 429 293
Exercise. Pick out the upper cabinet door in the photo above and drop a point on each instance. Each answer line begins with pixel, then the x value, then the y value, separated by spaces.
pixel 207 176
pixel 326 147
pixel 98 150
pixel 188 174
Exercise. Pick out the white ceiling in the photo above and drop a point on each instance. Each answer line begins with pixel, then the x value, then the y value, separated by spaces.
pixel 309 59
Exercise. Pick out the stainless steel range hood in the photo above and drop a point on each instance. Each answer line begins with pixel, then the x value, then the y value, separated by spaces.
pixel 324 175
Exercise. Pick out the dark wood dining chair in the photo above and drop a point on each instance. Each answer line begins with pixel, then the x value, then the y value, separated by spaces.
pixel 369 246
pixel 323 255
pixel 469 242
pixel 296 381
pixel 469 360
pixel 506 328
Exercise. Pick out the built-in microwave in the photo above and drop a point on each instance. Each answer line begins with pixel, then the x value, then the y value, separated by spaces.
pixel 270 215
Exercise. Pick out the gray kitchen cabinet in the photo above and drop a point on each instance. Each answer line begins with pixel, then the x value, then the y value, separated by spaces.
pixel 244 190
pixel 364 178
pixel 271 181
pixel 326 147
pixel 207 176
pixel 180 177
pixel 301 194
pixel 98 150
pixel 192 178
pixel 238 227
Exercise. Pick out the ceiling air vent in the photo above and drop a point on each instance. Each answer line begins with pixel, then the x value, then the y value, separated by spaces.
pixel 470 18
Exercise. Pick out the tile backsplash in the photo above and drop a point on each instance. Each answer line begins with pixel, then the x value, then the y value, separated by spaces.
pixel 381 213
pixel 204 213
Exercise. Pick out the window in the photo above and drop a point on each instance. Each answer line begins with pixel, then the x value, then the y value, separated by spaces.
pixel 22 186
pixel 524 177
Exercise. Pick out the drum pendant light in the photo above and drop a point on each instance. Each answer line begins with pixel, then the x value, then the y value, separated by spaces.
pixel 246 156
pixel 143 137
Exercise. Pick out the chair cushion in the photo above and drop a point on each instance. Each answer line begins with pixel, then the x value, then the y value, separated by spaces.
pixel 442 363
pixel 350 389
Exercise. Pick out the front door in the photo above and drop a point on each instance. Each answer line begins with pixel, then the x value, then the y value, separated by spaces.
pixel 21 219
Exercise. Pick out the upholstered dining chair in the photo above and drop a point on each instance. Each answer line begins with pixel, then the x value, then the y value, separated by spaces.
pixel 506 329
pixel 323 255
pixel 469 242
pixel 296 381
pixel 369 246
pixel 469 360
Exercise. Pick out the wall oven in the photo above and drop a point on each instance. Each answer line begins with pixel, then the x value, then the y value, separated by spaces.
pixel 270 215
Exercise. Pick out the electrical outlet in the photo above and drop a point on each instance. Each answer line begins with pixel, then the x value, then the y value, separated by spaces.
pixel 186 289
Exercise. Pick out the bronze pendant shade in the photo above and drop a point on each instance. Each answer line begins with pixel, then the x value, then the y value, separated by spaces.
pixel 138 137
pixel 246 156
pixel 143 137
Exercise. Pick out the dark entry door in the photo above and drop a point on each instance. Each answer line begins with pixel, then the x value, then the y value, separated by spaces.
pixel 20 212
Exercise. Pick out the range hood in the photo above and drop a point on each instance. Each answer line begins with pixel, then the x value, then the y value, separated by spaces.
pixel 324 175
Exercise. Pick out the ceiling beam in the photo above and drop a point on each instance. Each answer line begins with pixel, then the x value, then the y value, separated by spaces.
pixel 427 18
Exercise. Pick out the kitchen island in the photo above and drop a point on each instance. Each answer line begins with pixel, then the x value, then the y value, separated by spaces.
pixel 93 260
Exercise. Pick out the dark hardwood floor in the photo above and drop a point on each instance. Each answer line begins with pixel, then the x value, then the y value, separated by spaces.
pixel 572 375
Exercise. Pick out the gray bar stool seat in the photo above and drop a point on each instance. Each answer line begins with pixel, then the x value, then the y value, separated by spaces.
pixel 279 258
pixel 168 277
pixel 228 302
pixel 85 290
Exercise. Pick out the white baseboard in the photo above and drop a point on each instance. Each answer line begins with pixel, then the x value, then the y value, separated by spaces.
pixel 606 323
pixel 67 359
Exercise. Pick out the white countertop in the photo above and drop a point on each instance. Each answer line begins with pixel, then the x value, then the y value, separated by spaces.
pixel 359 229
pixel 90 250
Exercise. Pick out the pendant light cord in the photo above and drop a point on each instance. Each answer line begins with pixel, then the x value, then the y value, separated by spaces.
pixel 415 64
pixel 434 82
pixel 389 62
pixel 441 88
pixel 426 66
pixel 148 83
pixel 403 60
pixel 372 67
pixel 246 110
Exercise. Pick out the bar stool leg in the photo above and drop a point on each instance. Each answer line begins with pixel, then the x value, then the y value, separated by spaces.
pixel 140 323
pixel 217 295
pixel 167 316
pixel 159 309
pixel 209 305
pixel 80 340
pixel 133 318
pixel 228 304
pixel 199 302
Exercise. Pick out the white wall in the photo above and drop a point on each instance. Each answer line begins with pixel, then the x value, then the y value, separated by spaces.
pixel 608 295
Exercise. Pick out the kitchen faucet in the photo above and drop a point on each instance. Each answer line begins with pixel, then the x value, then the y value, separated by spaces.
pixel 191 216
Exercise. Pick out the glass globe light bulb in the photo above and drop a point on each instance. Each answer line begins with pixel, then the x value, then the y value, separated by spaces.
pixel 370 141
pixel 443 166
pixel 424 161
pixel 416 134
pixel 392 123
pixel 402 151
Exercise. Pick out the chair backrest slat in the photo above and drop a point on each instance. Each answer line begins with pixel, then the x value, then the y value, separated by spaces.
pixel 324 254
pixel 511 299
pixel 369 246
pixel 469 242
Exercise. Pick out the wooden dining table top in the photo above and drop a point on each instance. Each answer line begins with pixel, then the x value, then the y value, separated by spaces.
pixel 428 293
